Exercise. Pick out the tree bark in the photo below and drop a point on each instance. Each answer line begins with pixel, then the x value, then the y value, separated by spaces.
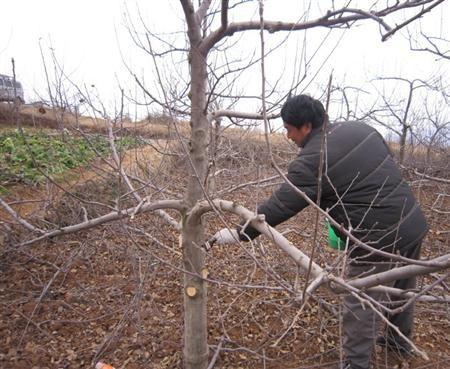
pixel 195 297
pixel 403 143
pixel 192 234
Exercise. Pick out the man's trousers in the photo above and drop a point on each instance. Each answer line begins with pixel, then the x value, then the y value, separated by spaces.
pixel 361 323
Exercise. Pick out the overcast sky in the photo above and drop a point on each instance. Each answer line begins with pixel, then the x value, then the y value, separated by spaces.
pixel 89 39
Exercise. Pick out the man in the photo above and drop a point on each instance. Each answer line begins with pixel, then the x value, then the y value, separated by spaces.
pixel 362 188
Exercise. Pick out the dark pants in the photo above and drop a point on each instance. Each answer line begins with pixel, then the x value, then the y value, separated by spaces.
pixel 361 323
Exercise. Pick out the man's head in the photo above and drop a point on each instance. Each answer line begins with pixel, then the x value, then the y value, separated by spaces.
pixel 301 114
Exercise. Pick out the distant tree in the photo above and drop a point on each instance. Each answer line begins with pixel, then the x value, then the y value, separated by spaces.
pixel 409 112
pixel 435 128
pixel 396 111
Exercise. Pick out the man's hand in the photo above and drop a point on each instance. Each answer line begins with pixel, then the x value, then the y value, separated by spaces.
pixel 223 237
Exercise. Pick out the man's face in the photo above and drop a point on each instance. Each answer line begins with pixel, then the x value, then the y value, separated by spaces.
pixel 297 134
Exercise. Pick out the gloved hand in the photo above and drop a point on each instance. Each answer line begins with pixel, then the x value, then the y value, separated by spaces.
pixel 223 237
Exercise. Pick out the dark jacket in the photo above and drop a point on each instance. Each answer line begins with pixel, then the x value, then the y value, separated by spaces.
pixel 362 187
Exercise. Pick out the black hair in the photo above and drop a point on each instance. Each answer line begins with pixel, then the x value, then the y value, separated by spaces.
pixel 301 109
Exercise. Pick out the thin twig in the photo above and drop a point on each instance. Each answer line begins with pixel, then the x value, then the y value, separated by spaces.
pixel 216 354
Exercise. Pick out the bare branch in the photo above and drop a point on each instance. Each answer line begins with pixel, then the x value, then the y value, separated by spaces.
pixel 192 22
pixel 409 295
pixel 330 19
pixel 224 15
pixel 112 216
pixel 202 10
pixel 404 272
pixel 243 185
pixel 18 218
pixel 408 21
pixel 319 274
pixel 434 49
pixel 242 115
pixel 436 179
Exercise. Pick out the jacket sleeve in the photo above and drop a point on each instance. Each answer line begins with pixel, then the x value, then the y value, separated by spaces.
pixel 285 202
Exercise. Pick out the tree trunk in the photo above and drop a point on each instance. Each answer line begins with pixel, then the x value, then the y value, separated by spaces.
pixel 195 289
pixel 213 152
pixel 403 143
pixel 195 297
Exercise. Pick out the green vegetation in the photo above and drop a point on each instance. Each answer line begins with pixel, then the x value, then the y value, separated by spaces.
pixel 27 156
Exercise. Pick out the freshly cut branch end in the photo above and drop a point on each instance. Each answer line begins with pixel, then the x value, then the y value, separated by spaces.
pixel 191 291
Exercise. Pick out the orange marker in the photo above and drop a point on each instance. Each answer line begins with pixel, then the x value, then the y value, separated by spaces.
pixel 101 365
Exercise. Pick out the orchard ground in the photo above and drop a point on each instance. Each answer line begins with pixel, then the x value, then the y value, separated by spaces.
pixel 114 293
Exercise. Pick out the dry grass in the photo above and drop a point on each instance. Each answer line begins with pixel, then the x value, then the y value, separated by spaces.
pixel 44 117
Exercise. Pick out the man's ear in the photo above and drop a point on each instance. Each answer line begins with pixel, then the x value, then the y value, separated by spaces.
pixel 306 128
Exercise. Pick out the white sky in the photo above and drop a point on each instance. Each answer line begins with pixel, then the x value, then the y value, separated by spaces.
pixel 89 40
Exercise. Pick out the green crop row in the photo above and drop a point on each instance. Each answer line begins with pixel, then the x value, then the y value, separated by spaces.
pixel 29 157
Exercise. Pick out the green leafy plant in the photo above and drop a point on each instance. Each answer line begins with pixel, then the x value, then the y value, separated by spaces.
pixel 28 157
